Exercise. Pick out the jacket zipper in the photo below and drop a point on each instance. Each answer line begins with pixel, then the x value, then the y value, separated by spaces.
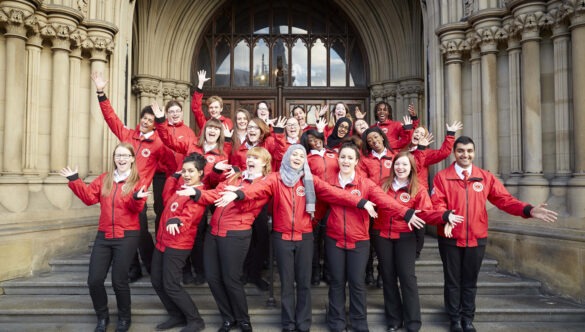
pixel 344 229
pixel 293 213
pixel 113 209
pixel 466 213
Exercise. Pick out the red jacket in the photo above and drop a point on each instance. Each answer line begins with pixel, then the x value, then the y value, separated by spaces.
pixel 149 151
pixel 325 167
pixel 196 102
pixel 469 198
pixel 399 136
pixel 391 225
pixel 178 134
pixel 289 215
pixel 348 224
pixel 376 169
pixel 275 144
pixel 182 210
pixel 427 157
pixel 236 216
pixel 118 212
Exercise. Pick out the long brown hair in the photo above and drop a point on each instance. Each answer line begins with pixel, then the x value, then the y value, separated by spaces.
pixel 220 141
pixel 264 129
pixel 331 120
pixel 132 179
pixel 413 185
pixel 261 153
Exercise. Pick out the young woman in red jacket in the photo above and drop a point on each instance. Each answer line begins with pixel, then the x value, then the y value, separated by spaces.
pixel 347 241
pixel 299 113
pixel 228 240
pixel 292 133
pixel 398 134
pixel 395 243
pixel 174 242
pixel 121 195
pixel 294 191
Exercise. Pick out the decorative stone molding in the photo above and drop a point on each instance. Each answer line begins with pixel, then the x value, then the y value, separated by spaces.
pixel 488 38
pixel 99 46
pixel 13 19
pixel 410 89
pixel 376 92
pixel 575 10
pixel 530 24
pixel 82 7
pixel 146 86
pixel 58 34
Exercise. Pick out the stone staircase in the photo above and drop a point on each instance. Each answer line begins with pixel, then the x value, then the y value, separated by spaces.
pixel 59 301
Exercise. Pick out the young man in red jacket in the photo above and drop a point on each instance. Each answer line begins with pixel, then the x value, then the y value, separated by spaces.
pixel 465 188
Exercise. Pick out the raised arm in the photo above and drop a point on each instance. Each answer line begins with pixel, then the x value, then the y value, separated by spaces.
pixel 114 123
pixel 197 99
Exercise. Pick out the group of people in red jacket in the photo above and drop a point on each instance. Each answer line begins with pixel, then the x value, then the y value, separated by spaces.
pixel 340 185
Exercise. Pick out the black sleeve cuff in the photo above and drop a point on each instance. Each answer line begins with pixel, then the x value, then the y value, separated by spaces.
pixel 174 221
pixel 197 195
pixel 422 147
pixel 408 215
pixel 198 90
pixel 446 215
pixel 73 177
pixel 407 127
pixel 240 195
pixel 135 196
pixel 527 209
pixel 228 139
pixel 176 175
pixel 102 98
pixel 362 203
pixel 217 170
pixel 160 120
pixel 236 169
pixel 450 133
pixel 415 117
pixel 278 130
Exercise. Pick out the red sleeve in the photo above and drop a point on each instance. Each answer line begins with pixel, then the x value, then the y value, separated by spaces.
pixel 439 197
pixel 170 188
pixel 501 198
pixel 383 201
pixel 434 156
pixel 191 213
pixel 115 124
pixel 182 147
pixel 278 148
pixel 427 213
pixel 333 195
pixel 133 204
pixel 405 138
pixel 88 194
pixel 260 189
pixel 196 101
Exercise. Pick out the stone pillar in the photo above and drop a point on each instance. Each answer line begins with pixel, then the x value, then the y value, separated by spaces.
pixel 472 120
pixel 514 93
pixel 168 92
pixel 33 58
pixel 78 120
pixel 533 185
pixel 453 44
pixel 183 89
pixel 146 88
pixel 576 193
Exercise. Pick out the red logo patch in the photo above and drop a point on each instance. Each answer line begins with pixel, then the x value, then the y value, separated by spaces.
pixel 405 197
pixel 145 153
pixel 210 159
pixel 387 163
pixel 356 192
pixel 478 187
pixel 174 206
pixel 330 155
pixel 301 191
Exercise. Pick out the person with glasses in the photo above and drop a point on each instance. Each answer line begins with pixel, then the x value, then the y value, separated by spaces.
pixel 339 135
pixel 214 104
pixel 292 132
pixel 121 193
pixel 151 155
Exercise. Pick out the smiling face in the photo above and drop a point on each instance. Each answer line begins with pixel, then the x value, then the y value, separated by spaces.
pixel 191 174
pixel 214 109
pixel 241 121
pixel 253 132
pixel 360 126
pixel 299 114
pixel 315 143
pixel 347 160
pixel 417 134
pixel 212 134
pixel 464 154
pixel 262 111
pixel 375 141
pixel 297 159
pixel 175 114
pixel 402 168
pixel 340 111
pixel 343 129
pixel 382 112
pixel 255 164
pixel 147 123
pixel 292 128
pixel 123 159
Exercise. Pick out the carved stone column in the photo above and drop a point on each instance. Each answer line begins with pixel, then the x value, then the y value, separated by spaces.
pixel 452 46
pixel 576 194
pixel 78 120
pixel 472 119
pixel 182 90
pixel 146 88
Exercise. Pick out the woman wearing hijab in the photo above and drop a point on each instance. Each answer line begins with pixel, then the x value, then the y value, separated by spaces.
pixel 295 192
pixel 340 134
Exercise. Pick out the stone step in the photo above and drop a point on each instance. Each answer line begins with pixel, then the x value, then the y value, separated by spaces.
pixel 72 309
pixel 60 283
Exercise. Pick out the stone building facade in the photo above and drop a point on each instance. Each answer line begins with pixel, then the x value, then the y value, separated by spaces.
pixel 508 69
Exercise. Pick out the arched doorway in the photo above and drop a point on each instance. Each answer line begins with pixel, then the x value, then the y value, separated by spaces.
pixel 323 60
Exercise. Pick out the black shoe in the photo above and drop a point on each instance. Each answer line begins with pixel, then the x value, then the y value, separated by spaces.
pixel 102 324
pixel 456 326
pixel 262 284
pixel 417 254
pixel 379 282
pixel 326 278
pixel 194 326
pixel 289 330
pixel 199 279
pixel 315 277
pixel 227 326
pixel 370 279
pixel 173 321
pixel 245 326
pixel 123 325
pixel 188 278
pixel 133 276
pixel 468 326
pixel 393 328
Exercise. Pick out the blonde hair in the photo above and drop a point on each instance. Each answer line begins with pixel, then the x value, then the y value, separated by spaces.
pixel 211 99
pixel 412 177
pixel 132 179
pixel 263 154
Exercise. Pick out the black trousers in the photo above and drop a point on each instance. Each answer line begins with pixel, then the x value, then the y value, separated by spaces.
pixel 259 246
pixel 396 258
pixel 319 247
pixel 224 263
pixel 166 275
pixel 145 245
pixel 461 267
pixel 158 184
pixel 420 239
pixel 118 253
pixel 347 266
pixel 293 259
pixel 195 259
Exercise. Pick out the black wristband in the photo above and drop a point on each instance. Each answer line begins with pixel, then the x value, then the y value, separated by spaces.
pixel 73 177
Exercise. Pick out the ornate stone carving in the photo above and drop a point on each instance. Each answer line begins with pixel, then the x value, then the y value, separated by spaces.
pixel 58 34
pixel 145 86
pixel 13 19
pixel 376 92
pixel 82 6
pixel 533 22
pixel 78 37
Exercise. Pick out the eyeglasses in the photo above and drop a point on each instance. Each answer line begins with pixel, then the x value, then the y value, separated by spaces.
pixel 262 109
pixel 173 112
pixel 292 125
pixel 122 156
pixel 253 127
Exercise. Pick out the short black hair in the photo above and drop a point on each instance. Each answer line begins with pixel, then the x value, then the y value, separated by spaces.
pixel 198 160
pixel 305 138
pixel 365 147
pixel 351 145
pixel 146 110
pixel 463 140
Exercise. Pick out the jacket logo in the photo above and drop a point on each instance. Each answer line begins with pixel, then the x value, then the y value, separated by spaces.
pixel 385 130
pixel 180 137
pixel 330 155
pixel 387 163
pixel 356 192
pixel 210 159
pixel 301 191
pixel 405 197
pixel 145 153
pixel 174 206
pixel 478 186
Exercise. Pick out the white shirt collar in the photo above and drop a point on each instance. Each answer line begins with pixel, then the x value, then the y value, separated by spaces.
pixel 398 185
pixel 148 134
pixel 343 182
pixel 119 177
pixel 321 153
pixel 460 169
pixel 379 156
